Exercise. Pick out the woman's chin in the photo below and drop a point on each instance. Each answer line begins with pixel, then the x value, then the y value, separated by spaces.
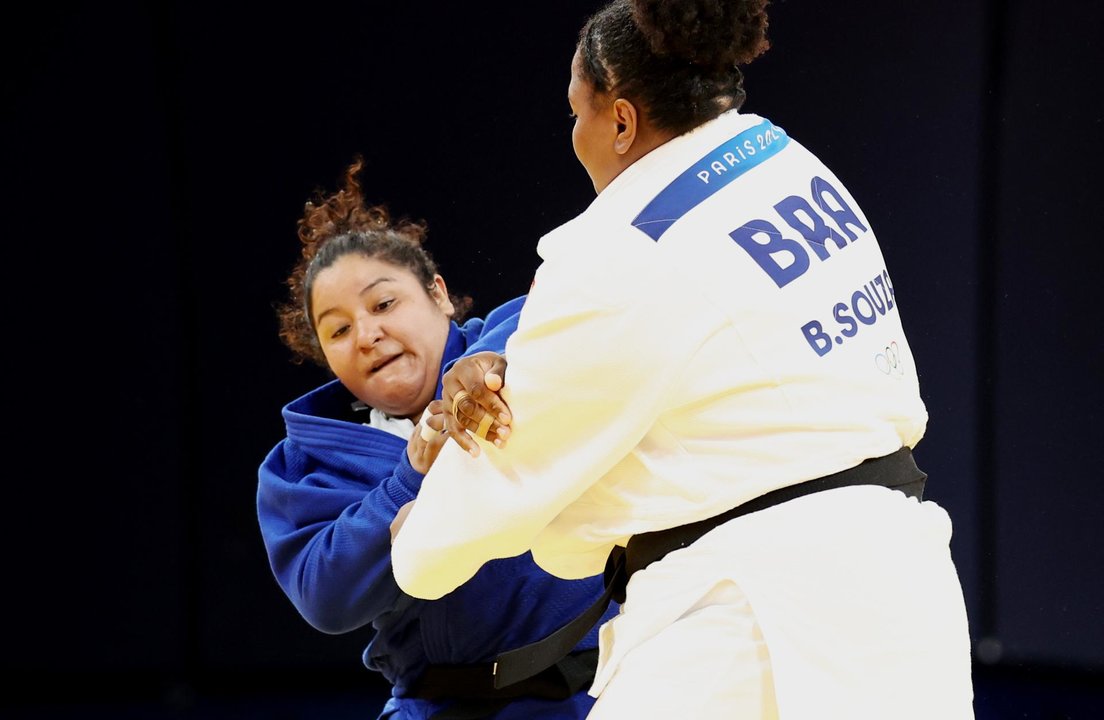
pixel 408 405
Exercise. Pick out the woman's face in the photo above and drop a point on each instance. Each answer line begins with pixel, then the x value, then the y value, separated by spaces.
pixel 382 333
pixel 595 129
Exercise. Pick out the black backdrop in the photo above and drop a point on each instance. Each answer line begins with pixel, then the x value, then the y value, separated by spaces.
pixel 157 157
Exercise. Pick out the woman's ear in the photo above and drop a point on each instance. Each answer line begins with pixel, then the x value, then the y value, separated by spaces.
pixel 627 119
pixel 439 292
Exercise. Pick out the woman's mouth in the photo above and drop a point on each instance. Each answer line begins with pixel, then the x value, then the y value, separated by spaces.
pixel 384 362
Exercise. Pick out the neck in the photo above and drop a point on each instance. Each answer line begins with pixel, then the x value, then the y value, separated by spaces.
pixel 647 139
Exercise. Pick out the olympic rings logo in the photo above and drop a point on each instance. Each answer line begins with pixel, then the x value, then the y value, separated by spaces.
pixel 889 360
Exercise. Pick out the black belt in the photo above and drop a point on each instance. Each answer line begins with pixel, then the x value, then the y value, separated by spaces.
pixel 476 694
pixel 897 471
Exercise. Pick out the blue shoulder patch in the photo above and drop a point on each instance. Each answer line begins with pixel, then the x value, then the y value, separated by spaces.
pixel 712 172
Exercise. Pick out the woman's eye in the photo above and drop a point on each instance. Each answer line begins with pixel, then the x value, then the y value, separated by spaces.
pixel 339 332
pixel 380 307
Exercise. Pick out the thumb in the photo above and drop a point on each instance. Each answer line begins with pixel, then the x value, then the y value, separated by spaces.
pixel 494 377
pixel 493 381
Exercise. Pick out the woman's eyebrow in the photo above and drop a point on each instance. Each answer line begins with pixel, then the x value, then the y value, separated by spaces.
pixel 363 291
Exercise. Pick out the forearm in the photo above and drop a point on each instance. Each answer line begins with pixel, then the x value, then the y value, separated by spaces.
pixel 329 548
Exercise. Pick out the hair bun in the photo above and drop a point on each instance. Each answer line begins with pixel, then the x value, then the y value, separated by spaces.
pixel 711 33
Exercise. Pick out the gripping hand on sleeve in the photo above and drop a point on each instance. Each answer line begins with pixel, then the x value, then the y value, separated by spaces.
pixel 473 403
pixel 429 437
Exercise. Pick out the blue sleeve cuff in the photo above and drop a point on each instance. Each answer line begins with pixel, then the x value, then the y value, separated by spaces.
pixel 406 482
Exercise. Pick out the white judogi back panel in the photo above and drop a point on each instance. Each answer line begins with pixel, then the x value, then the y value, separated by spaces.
pixel 718 324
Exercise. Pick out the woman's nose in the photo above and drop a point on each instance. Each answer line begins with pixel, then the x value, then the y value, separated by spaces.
pixel 369 332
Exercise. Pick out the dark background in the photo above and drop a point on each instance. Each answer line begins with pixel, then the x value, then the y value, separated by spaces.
pixel 156 159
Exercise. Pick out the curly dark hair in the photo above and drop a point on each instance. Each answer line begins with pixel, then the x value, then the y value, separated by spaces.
pixel 679 59
pixel 336 225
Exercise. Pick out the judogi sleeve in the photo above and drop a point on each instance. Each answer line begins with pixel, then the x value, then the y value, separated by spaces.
pixel 601 339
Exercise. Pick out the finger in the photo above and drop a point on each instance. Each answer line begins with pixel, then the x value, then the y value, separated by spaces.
pixel 498 434
pixel 484 425
pixel 434 446
pixel 434 416
pixel 461 402
pixel 432 422
pixel 437 424
pixel 498 407
pixel 495 375
pixel 459 433
pixel 492 431
pixel 496 404
pixel 416 452
pixel 494 379
pixel 481 399
pixel 440 434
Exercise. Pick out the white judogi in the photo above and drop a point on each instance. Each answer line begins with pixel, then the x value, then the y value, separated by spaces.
pixel 719 323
